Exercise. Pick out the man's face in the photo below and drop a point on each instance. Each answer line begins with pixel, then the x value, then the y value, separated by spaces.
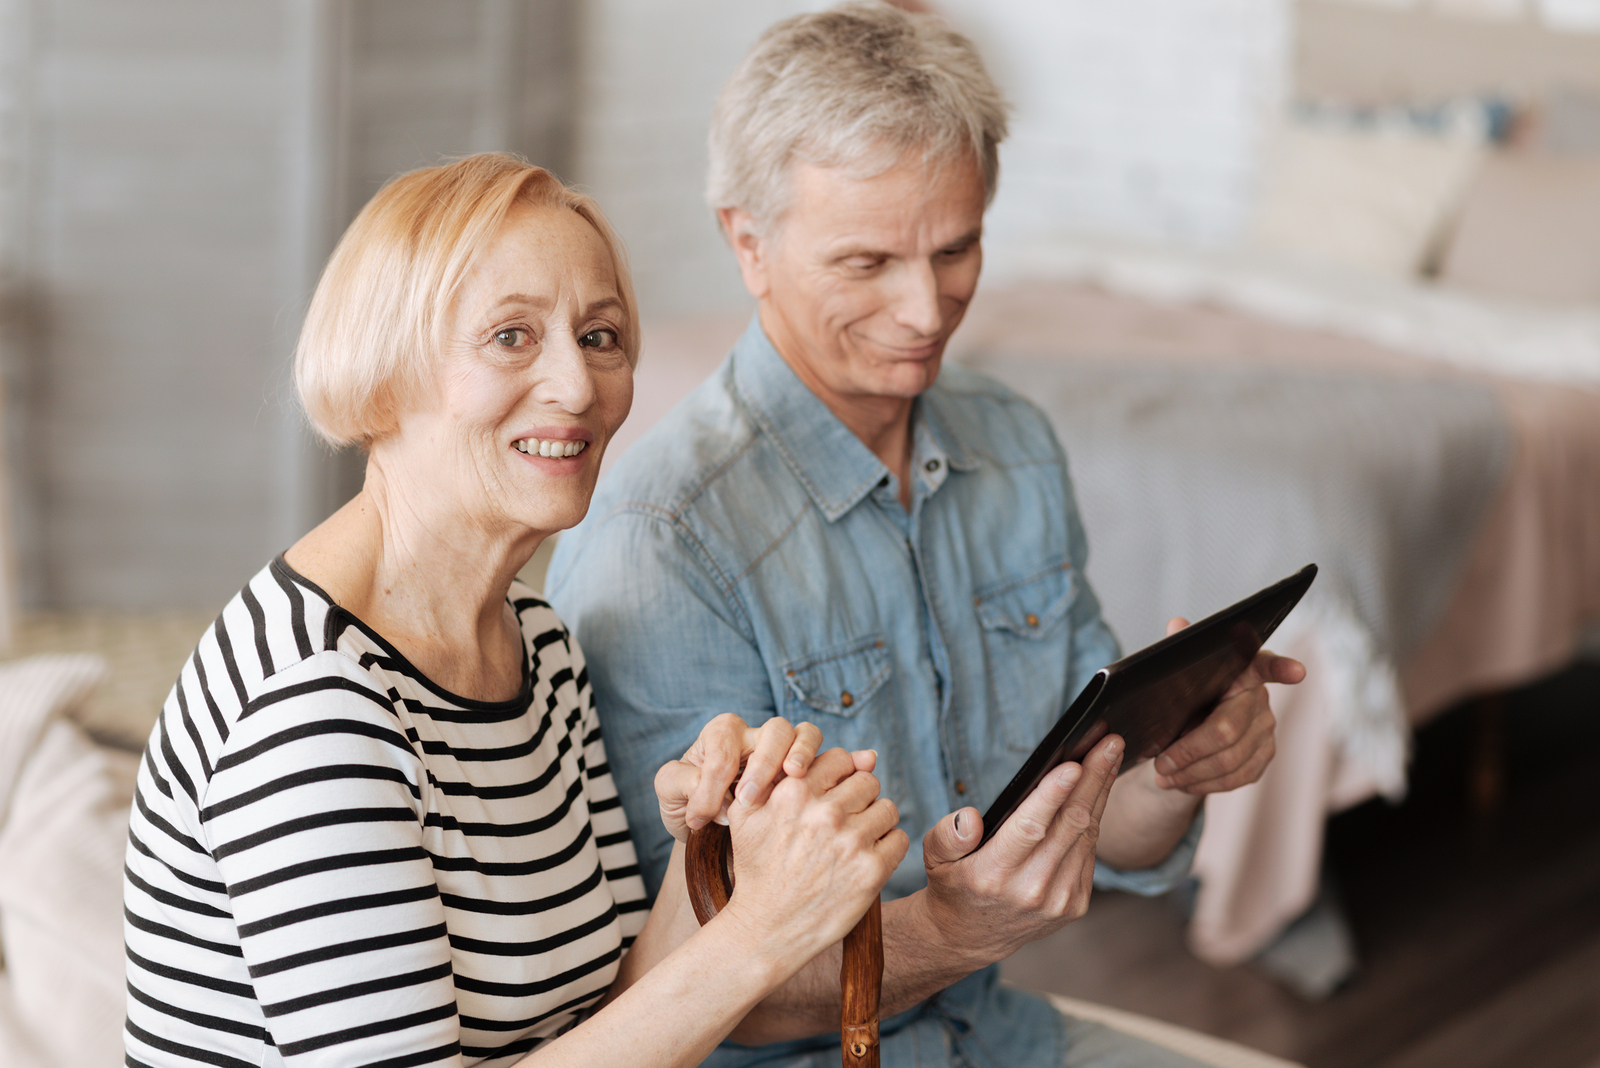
pixel 864 280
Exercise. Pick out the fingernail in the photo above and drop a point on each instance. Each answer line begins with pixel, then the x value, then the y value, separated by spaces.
pixel 1113 748
pixel 722 819
pixel 1165 765
pixel 746 792
pixel 960 833
pixel 694 823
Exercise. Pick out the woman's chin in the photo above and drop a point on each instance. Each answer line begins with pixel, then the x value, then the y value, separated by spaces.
pixel 554 512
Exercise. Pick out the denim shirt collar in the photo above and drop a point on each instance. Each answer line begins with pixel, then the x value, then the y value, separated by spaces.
pixel 834 466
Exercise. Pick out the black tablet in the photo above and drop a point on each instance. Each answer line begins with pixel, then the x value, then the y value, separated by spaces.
pixel 1155 696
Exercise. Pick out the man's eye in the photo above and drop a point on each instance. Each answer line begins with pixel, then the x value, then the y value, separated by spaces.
pixel 863 263
pixel 598 339
pixel 511 337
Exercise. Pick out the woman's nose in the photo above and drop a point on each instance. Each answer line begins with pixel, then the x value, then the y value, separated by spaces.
pixel 564 376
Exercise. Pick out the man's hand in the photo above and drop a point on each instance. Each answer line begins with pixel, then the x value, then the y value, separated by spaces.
pixel 1153 805
pixel 1233 745
pixel 1033 877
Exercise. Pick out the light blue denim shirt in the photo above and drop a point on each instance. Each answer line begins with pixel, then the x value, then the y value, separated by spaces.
pixel 749 554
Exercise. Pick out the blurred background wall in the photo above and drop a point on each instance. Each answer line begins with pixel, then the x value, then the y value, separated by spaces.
pixel 173 173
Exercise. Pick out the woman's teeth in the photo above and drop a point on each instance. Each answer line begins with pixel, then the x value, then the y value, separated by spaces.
pixel 546 447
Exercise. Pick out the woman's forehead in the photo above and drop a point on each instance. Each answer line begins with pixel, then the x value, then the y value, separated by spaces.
pixel 554 226
pixel 546 248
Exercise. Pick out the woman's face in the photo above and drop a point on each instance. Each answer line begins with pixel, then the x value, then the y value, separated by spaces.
pixel 532 382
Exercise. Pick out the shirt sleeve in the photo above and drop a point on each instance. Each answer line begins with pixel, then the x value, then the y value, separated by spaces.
pixel 314 816
pixel 1149 882
pixel 676 652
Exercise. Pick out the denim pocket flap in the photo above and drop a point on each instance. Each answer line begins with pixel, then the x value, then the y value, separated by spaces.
pixel 839 681
pixel 1029 607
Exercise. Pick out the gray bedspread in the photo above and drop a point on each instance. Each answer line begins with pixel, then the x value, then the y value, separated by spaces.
pixel 1200 485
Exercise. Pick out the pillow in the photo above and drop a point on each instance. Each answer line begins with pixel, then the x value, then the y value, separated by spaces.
pixel 32 691
pixel 1530 228
pixel 62 839
pixel 1375 199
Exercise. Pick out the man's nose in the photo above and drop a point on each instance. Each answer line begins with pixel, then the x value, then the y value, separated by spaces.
pixel 916 305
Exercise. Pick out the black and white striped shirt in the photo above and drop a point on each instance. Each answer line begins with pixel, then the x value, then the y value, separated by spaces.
pixel 333 861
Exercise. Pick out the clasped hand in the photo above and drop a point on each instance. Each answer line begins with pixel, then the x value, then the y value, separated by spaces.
pixel 813 841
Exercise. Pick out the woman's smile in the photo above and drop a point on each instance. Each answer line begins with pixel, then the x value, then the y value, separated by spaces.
pixel 551 448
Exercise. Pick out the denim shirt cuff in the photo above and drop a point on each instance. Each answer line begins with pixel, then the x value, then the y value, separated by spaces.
pixel 1149 882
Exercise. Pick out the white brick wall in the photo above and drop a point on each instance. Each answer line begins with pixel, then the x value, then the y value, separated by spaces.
pixel 1133 117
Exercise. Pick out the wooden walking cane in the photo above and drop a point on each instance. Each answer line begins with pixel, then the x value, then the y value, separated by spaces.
pixel 705 864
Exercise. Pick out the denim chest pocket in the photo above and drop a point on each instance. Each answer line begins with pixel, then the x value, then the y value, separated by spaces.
pixel 840 681
pixel 846 690
pixel 1027 642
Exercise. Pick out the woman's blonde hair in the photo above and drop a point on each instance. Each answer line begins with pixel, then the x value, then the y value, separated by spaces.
pixel 375 323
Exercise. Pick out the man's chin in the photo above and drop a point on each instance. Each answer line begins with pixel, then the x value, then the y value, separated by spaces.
pixel 908 378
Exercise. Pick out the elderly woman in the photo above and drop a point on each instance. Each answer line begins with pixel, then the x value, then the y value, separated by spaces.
pixel 375 823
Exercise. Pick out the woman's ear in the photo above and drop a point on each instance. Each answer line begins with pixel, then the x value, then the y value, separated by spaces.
pixel 749 246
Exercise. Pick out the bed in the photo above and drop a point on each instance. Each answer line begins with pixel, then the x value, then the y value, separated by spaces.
pixel 1394 372
pixel 1453 506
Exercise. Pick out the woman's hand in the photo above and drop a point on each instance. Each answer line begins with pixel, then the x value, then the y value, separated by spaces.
pixel 814 856
pixel 695 791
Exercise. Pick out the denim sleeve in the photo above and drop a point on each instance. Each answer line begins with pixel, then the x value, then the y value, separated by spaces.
pixel 666 650
pixel 1148 882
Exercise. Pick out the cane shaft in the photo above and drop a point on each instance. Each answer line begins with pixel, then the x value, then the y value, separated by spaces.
pixel 861 985
pixel 705 862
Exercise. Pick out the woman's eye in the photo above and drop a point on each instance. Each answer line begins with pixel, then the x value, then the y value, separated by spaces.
pixel 598 339
pixel 511 337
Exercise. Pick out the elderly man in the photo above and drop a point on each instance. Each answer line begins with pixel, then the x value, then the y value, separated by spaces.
pixel 831 529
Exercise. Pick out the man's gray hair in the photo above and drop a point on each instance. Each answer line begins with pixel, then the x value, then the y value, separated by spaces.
pixel 856 86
